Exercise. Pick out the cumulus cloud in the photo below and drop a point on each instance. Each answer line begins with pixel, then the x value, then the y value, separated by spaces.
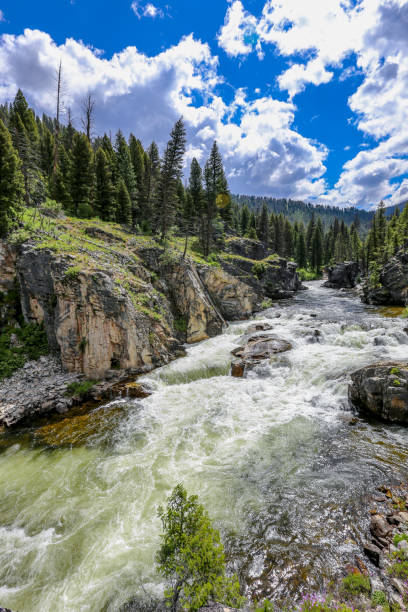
pixel 146 10
pixel 316 37
pixel 263 152
pixel 2 17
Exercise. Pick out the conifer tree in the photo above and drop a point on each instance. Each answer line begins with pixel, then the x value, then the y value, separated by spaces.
pixel 170 175
pixel 245 214
pixel 82 176
pixel 263 230
pixel 138 161
pixel 11 182
pixel 316 259
pixel 215 185
pixel 124 204
pixel 105 203
pixel 301 255
pixel 125 170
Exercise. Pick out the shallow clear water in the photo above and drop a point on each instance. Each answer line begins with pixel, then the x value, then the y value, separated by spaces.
pixel 273 456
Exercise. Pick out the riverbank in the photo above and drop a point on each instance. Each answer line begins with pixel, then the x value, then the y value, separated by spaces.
pixel 283 466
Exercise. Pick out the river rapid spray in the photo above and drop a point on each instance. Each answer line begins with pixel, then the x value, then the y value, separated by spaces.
pixel 272 456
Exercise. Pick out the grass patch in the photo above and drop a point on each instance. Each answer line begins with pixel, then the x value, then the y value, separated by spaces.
pixel 399 566
pixel 308 275
pixel 76 389
pixel 356 584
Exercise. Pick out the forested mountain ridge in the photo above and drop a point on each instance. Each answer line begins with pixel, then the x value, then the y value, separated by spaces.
pixel 302 212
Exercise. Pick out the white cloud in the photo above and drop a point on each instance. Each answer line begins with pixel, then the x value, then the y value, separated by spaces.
pixel 2 17
pixel 145 10
pixel 316 37
pixel 238 35
pixel 262 151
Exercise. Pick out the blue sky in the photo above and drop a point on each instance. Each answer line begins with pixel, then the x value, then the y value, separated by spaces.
pixel 306 99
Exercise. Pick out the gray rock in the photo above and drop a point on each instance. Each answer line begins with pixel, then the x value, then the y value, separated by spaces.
pixel 342 275
pixel 258 348
pixel 381 389
pixel 392 288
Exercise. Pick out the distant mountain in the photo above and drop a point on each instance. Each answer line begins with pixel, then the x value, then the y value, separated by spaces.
pixel 296 210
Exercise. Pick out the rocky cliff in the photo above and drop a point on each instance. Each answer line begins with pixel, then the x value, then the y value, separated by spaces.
pixel 110 301
pixel 389 285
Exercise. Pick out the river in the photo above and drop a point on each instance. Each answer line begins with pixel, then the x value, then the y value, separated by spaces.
pixel 277 458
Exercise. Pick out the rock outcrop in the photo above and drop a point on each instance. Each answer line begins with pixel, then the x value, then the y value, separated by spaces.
pixel 110 301
pixel 266 273
pixel 342 275
pixel 381 390
pixel 234 299
pixel 391 287
pixel 95 323
pixel 259 346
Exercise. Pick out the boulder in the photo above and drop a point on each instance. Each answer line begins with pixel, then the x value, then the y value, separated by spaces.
pixel 246 247
pixel 342 275
pixel 258 348
pixel 392 286
pixel 381 389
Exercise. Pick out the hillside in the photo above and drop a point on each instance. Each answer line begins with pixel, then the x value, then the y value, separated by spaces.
pixel 297 210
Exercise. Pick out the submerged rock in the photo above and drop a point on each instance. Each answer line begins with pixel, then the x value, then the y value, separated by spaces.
pixel 342 275
pixel 258 348
pixel 381 389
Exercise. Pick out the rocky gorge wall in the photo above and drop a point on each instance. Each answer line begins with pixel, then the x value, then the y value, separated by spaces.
pixel 116 305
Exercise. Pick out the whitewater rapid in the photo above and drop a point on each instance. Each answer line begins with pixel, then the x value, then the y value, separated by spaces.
pixel 276 458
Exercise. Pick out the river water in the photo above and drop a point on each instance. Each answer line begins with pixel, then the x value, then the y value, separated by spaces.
pixel 276 458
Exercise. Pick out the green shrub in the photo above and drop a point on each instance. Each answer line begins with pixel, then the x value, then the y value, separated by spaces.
pixel 395 371
pixel 191 557
pixel 267 303
pixel 72 274
pixel 51 208
pixel 379 598
pixel 84 211
pixel 32 343
pixel 355 584
pixel 399 537
pixel 77 389
pixel 19 236
pixel 212 260
pixel 180 324
pixel 308 275
pixel 258 269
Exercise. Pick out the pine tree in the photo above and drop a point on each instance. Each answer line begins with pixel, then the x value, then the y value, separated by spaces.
pixel 169 177
pixel 301 255
pixel 245 214
pixel 196 191
pixel 138 162
pixel 11 182
pixel 263 230
pixel 151 181
pixel 82 176
pixel 105 203
pixel 316 259
pixel 125 170
pixel 124 204
pixel 215 186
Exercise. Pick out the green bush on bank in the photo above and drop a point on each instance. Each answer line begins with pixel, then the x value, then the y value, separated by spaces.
pixel 21 344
